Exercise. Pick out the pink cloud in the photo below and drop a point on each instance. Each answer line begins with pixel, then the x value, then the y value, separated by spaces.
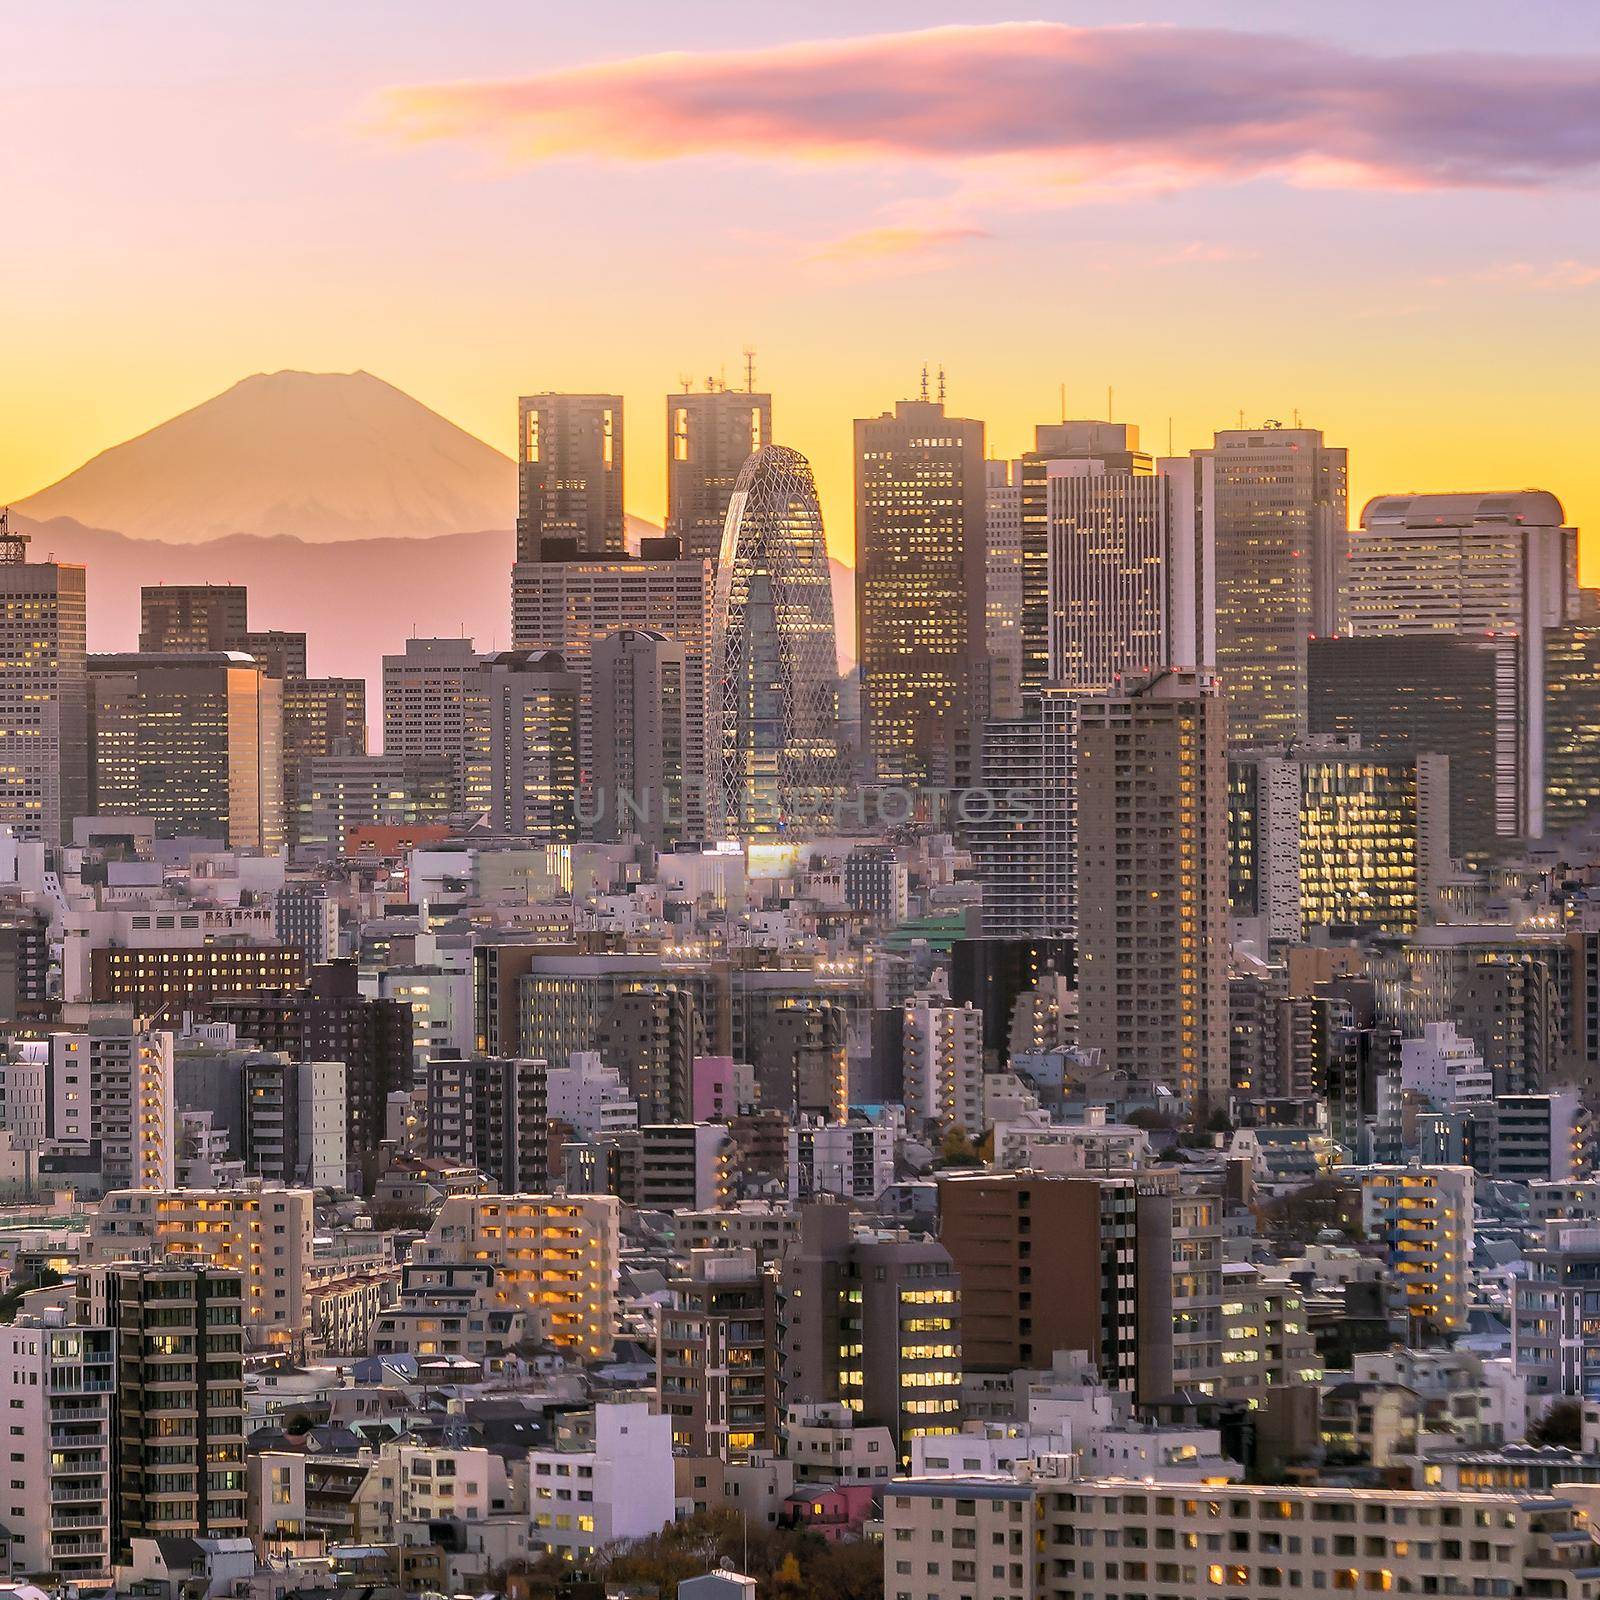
pixel 1146 106
pixel 1544 275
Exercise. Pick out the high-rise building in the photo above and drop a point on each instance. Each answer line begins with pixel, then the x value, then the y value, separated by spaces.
pixel 44 692
pixel 774 706
pixel 1002 585
pixel 1280 501
pixel 1474 564
pixel 180 1402
pixel 111 1081
pixel 321 717
pixel 282 654
pixel 872 1320
pixel 921 513
pixel 1153 884
pixel 942 1051
pixel 569 473
pixel 1023 836
pixel 491 1114
pixel 427 695
pixel 1328 835
pixel 1451 694
pixel 193 741
pixel 639 695
pixel 1571 724
pixel 193 618
pixel 710 435
pixel 570 605
pixel 58 1382
pixel 1112 447
pixel 1130 570
pixel 522 758
pixel 294 1120
pixel 1423 1217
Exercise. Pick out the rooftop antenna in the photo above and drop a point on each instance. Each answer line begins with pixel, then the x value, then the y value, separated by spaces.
pixel 711 384
pixel 1241 416
pixel 1063 402
pixel 1110 414
pixel 749 369
pixel 941 383
pixel 924 380
pixel 685 382
pixel 13 544
pixel 722 381
pixel 1169 436
pixel 1296 415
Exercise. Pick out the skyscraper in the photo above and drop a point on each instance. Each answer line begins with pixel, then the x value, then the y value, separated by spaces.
pixel 282 653
pixel 427 693
pixel 569 472
pixel 1572 724
pixel 1114 447
pixel 639 681
pixel 709 437
pixel 569 605
pixel 1472 564
pixel 1280 499
pixel 1153 883
pixel 190 617
pixel 522 757
pixel 44 692
pixel 1130 571
pixel 194 741
pixel 321 717
pixel 1002 587
pixel 774 714
pixel 921 510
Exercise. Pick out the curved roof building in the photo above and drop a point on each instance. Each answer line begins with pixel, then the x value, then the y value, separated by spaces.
pixel 774 714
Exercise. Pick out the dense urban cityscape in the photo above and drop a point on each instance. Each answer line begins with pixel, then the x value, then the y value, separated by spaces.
pixel 1052 1053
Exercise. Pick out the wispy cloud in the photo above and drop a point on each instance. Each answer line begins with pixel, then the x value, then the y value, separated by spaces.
pixel 1208 254
pixel 896 242
pixel 1543 275
pixel 1081 107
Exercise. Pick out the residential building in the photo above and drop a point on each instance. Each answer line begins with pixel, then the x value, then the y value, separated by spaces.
pixel 639 689
pixel 1423 1218
pixel 943 1065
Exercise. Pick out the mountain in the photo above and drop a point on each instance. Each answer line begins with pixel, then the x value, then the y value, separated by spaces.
pixel 319 456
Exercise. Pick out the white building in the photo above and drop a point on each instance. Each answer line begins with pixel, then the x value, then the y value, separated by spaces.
pixel 1423 1217
pixel 589 1096
pixel 943 1065
pixel 613 1482
pixel 852 1159
pixel 1445 1067
pixel 57 1382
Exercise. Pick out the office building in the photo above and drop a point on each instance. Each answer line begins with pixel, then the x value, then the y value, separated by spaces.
pixel 1474 564
pixel 522 756
pixel 1450 695
pixel 344 795
pixel 306 915
pixel 322 718
pixel 193 741
pixel 555 1259
pixel 872 1320
pixel 1571 724
pixel 569 605
pixel 718 1356
pixel 282 654
pixel 1423 1218
pixel 261 1232
pixel 921 515
pixel 194 618
pixel 427 696
pixel 1280 501
pixel 639 693
pixel 569 473
pixel 180 1416
pixel 1002 585
pixel 773 720
pixel 1130 570
pixel 151 979
pixel 1152 884
pixel 1110 447
pixel 44 692
pixel 1324 835
pixel 710 435
pixel 59 1382
pixel 1023 833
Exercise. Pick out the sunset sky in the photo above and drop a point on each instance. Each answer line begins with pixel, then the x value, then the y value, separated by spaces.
pixel 1382 216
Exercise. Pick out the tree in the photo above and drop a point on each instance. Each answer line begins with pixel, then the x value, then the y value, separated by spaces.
pixel 1561 1425
pixel 956 1149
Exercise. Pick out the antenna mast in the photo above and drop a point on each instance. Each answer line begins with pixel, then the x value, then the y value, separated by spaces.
pixel 924 380
pixel 749 369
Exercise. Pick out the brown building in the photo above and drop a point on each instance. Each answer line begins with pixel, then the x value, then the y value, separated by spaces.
pixel 872 1319
pixel 717 1356
pixel 1049 1262
pixel 173 976
pixel 192 617
pixel 321 717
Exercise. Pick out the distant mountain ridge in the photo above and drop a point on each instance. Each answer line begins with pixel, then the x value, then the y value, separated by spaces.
pixel 316 455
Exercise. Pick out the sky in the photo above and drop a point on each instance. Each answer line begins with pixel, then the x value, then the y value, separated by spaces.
pixel 1378 218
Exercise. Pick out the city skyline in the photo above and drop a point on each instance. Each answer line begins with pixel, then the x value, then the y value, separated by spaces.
pixel 1326 264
